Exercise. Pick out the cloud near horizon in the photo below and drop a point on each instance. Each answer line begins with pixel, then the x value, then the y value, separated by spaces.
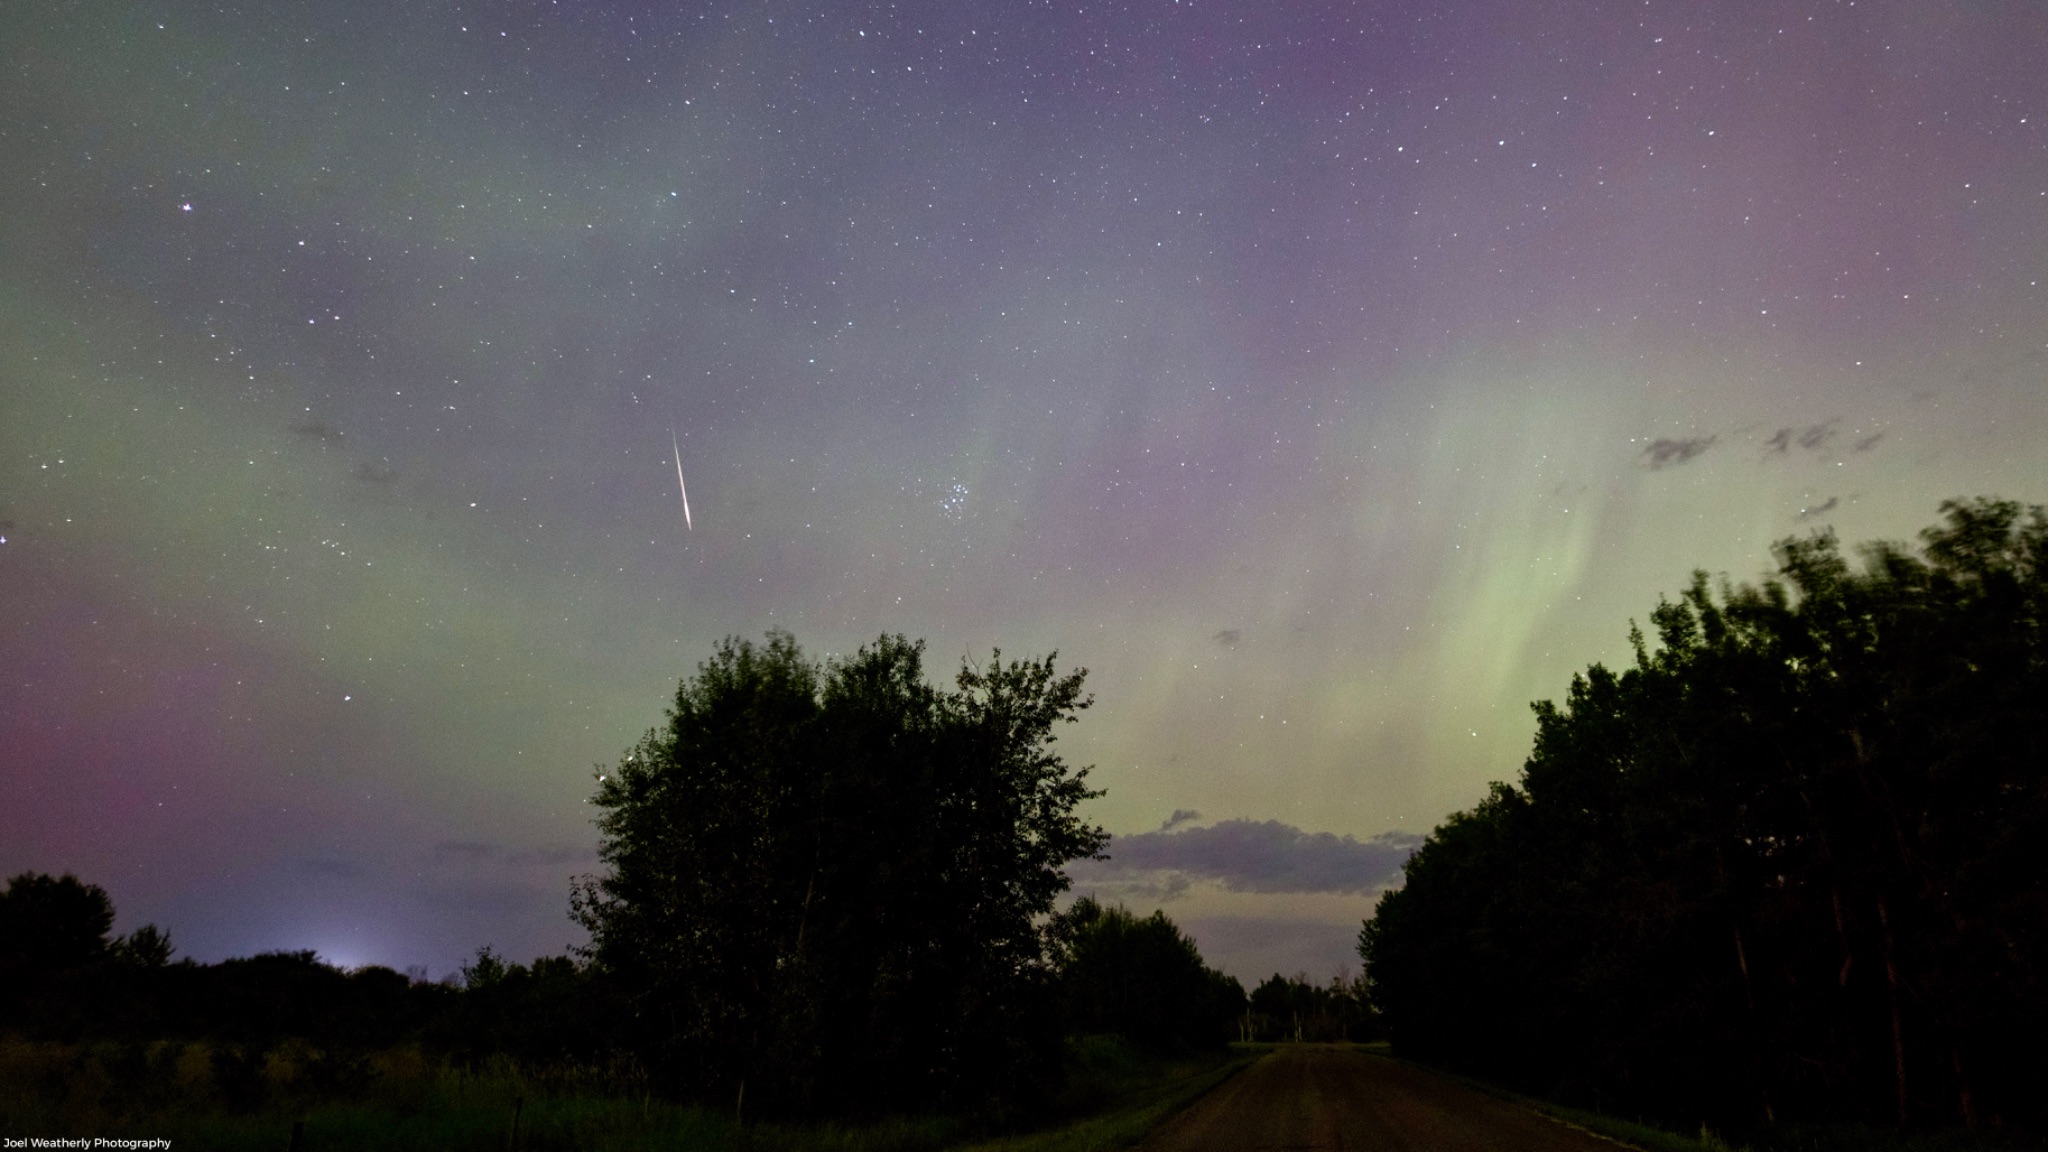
pixel 1667 453
pixel 1249 856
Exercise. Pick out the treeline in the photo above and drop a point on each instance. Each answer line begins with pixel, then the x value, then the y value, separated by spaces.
pixel 1788 866
pixel 1285 1008
pixel 64 977
pixel 256 1031
pixel 1142 979
pixel 828 889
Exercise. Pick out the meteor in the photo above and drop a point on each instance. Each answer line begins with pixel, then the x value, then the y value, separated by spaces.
pixel 680 486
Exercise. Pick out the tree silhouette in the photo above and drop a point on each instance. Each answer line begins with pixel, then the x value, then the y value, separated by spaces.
pixel 823 883
pixel 1786 865
pixel 52 923
pixel 1143 979
pixel 1296 1008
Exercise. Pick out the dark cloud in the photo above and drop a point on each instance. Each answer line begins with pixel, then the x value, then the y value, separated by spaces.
pixel 1180 816
pixel 1135 888
pixel 1812 436
pixel 1228 637
pixel 316 430
pixel 1820 509
pixel 1667 453
pixel 1869 442
pixel 1251 856
pixel 378 473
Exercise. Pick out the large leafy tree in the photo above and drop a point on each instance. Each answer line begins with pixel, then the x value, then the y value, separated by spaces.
pixel 60 967
pixel 1789 864
pixel 824 883
pixel 53 923
pixel 1143 979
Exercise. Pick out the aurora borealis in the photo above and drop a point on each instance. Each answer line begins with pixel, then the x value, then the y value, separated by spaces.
pixel 1331 380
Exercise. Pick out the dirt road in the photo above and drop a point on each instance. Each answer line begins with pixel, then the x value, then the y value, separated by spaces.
pixel 1312 1097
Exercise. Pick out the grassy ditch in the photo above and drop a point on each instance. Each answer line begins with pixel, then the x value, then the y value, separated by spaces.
pixel 1785 1137
pixel 1117 1096
pixel 218 1097
pixel 1777 1138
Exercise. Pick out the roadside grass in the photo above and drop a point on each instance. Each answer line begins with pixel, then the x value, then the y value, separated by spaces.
pixel 1121 1096
pixel 1861 1138
pixel 1777 1138
pixel 1785 1137
pixel 219 1097
pixel 547 1124
pixel 400 1101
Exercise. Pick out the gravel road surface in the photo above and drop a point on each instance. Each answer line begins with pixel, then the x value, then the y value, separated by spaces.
pixel 1308 1097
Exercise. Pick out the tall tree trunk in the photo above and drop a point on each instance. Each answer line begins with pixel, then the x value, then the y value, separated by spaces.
pixel 1841 935
pixel 1891 986
pixel 1763 1088
pixel 1834 873
pixel 1965 1100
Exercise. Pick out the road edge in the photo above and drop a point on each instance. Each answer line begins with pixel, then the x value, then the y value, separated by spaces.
pixel 1124 1128
pixel 1631 1134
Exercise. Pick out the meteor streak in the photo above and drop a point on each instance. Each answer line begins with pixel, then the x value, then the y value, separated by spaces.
pixel 680 486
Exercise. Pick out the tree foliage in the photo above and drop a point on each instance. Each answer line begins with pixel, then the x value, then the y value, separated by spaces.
pixel 1296 1008
pixel 58 929
pixel 824 883
pixel 53 923
pixel 1143 979
pixel 65 977
pixel 1788 865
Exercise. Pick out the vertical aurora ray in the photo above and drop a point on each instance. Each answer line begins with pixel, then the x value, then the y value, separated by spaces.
pixel 1300 371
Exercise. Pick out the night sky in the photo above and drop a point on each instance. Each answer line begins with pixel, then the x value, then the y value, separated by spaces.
pixel 1331 380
